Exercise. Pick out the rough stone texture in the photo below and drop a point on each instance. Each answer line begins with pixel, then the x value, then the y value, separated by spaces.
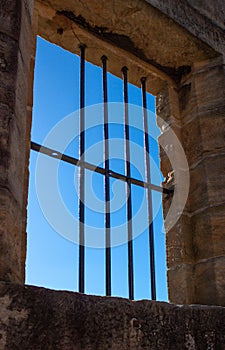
pixel 37 318
pixel 203 18
pixel 213 10
pixel 133 31
pixel 178 45
pixel 195 245
pixel 15 29
pixel 179 48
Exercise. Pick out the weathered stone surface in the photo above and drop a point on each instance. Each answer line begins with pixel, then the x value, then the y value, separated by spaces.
pixel 192 141
pixel 213 10
pixel 122 19
pixel 203 240
pixel 36 318
pixel 15 42
pixel 179 243
pixel 10 18
pixel 204 135
pixel 198 192
pixel 200 118
pixel 209 281
pixel 181 283
pixel 126 26
pixel 188 101
pixel 215 166
pixel 194 20
pixel 12 239
pixel 189 82
pixel 209 87
pixel 212 124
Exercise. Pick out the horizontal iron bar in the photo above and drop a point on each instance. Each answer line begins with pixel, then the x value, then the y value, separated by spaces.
pixel 55 154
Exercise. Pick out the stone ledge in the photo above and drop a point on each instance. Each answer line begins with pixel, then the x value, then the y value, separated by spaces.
pixel 38 318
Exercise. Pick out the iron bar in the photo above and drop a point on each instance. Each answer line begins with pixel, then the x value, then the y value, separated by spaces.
pixel 106 179
pixel 107 173
pixel 82 171
pixel 128 187
pixel 74 161
pixel 149 193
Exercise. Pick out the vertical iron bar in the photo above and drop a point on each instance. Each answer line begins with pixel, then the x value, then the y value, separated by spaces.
pixel 128 174
pixel 149 193
pixel 106 179
pixel 82 170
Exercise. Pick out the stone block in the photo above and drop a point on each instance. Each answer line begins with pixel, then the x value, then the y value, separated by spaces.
pixel 181 284
pixel 13 151
pixel 6 120
pixel 209 233
pixel 191 140
pixel 22 83
pixel 204 137
pixel 198 192
pixel 188 102
pixel 209 281
pixel 217 223
pixel 12 239
pixel 215 174
pixel 10 18
pixel 179 243
pixel 210 91
pixel 17 164
pixel 15 43
pixel 191 19
pixel 26 35
pixel 212 126
pixel 215 11
pixel 202 235
pixel 219 264
pixel 7 95
pixel 207 181
pixel 8 60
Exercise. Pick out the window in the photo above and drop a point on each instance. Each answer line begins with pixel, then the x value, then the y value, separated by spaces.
pixel 114 167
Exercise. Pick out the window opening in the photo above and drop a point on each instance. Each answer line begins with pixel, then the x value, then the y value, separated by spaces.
pixel 131 182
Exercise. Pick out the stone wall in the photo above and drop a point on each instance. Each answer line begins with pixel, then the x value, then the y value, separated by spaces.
pixel 203 18
pixel 37 318
pixel 195 245
pixel 181 47
pixel 182 50
pixel 15 43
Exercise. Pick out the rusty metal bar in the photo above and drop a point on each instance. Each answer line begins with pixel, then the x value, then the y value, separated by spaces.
pixel 68 159
pixel 107 178
pixel 149 193
pixel 82 171
pixel 128 187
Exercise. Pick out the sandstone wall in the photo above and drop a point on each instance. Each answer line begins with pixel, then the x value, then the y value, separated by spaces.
pixel 15 45
pixel 203 18
pixel 195 245
pixel 182 43
pixel 37 318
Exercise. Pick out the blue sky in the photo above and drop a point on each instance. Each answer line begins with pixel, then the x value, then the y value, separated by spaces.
pixel 52 261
